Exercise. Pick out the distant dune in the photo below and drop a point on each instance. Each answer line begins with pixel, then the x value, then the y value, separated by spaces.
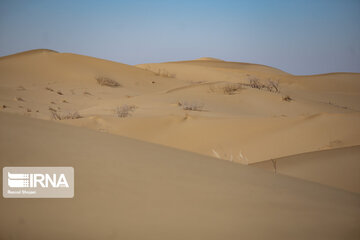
pixel 30 52
pixel 208 59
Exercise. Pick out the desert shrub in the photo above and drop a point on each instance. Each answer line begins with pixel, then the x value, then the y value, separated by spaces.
pixel 231 89
pixel 287 98
pixel 273 86
pixel 274 165
pixel 74 115
pixel 270 85
pixel 105 81
pixel 192 106
pixel 124 110
pixel 54 115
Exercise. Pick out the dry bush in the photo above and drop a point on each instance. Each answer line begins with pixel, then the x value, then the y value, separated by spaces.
pixel 105 81
pixel 59 92
pixel 231 89
pixel 228 88
pixel 74 115
pixel 287 98
pixel 124 110
pixel 56 116
pixel 191 106
pixel 273 86
pixel 270 86
pixel 49 89
pixel 274 165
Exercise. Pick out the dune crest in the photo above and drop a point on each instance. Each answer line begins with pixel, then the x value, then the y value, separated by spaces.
pixel 30 52
pixel 209 59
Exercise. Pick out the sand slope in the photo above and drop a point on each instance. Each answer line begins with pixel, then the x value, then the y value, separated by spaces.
pixel 337 167
pixel 127 189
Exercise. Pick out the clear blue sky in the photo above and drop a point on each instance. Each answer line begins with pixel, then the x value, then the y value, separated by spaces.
pixel 298 36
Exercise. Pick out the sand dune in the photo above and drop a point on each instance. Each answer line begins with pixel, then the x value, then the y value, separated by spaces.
pixel 206 106
pixel 128 189
pixel 336 167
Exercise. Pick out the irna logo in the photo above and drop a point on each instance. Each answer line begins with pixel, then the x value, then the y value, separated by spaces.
pixel 20 180
pixel 38 182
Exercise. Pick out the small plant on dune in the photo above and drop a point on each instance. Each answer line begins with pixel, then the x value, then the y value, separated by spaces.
pixel 226 88
pixel 274 165
pixel 192 106
pixel 270 86
pixel 105 81
pixel 73 115
pixel 287 98
pixel 54 115
pixel 231 89
pixel 124 110
pixel 273 86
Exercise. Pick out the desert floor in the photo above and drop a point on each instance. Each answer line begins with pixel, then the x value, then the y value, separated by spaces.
pixel 201 149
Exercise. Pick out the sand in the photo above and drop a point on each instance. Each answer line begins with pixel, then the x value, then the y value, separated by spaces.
pixel 129 189
pixel 202 115
pixel 336 167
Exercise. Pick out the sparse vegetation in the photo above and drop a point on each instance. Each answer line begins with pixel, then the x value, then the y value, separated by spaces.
pixel 287 98
pixel 191 106
pixel 59 92
pixel 124 110
pixel 49 89
pixel 105 81
pixel 57 116
pixel 270 85
pixel 274 165
pixel 232 88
